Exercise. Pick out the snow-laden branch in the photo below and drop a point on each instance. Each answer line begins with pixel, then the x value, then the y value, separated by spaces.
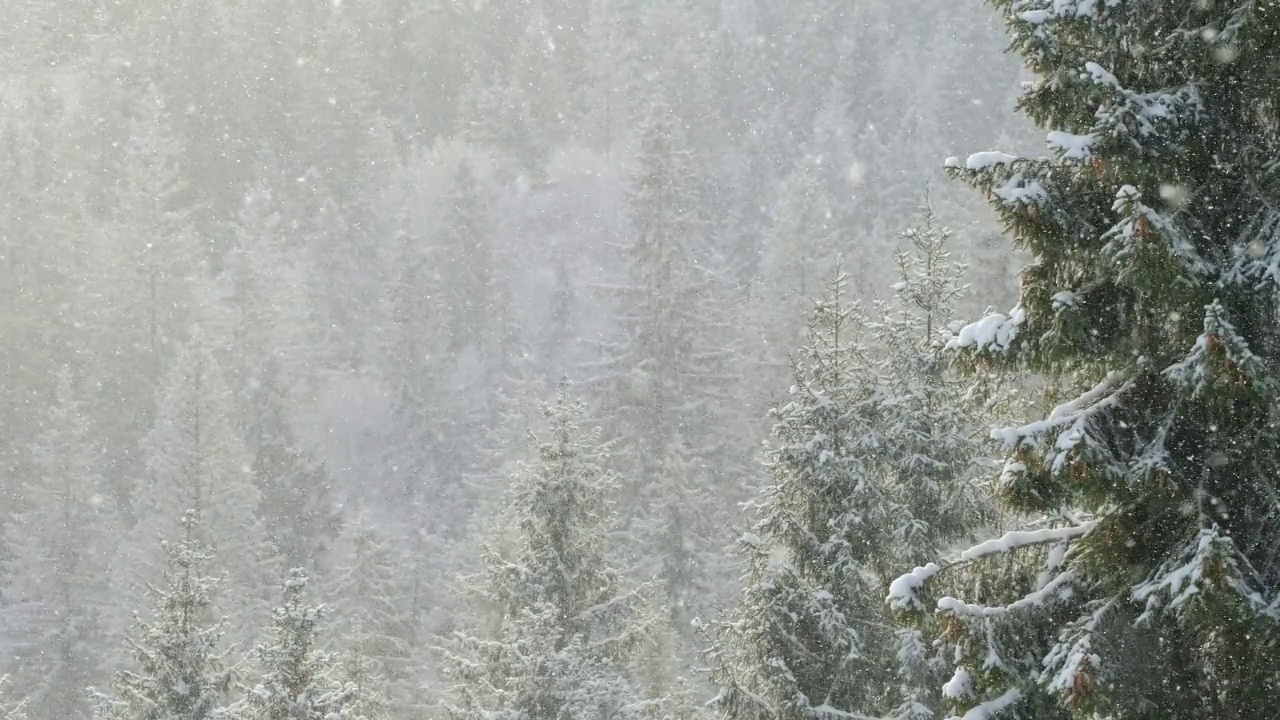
pixel 993 707
pixel 1072 417
pixel 1034 599
pixel 993 333
pixel 903 591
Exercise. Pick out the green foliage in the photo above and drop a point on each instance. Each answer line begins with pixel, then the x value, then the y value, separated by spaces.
pixel 297 681
pixel 373 628
pixel 179 672
pixel 563 634
pixel 60 542
pixel 1150 587
pixel 873 462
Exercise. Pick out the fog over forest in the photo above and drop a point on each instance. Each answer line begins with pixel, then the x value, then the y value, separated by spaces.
pixel 523 336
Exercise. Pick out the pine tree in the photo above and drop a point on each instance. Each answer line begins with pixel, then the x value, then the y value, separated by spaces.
pixel 808 639
pixel 157 220
pixel 297 492
pixel 197 461
pixel 361 671
pixel 179 672
pixel 874 467
pixel 562 633
pixel 928 451
pixel 1149 586
pixel 372 623
pixel 665 381
pixel 927 455
pixel 801 245
pixel 271 329
pixel 298 681
pixel 464 263
pixel 61 547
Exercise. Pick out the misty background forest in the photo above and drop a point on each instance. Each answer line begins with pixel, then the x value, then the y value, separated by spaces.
pixel 585 359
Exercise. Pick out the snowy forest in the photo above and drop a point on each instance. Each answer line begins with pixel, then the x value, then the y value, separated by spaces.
pixel 622 360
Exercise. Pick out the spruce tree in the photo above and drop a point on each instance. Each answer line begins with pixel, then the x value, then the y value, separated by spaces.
pixel 298 680
pixel 464 263
pixel 180 674
pixel 808 639
pixel 874 465
pixel 928 455
pixel 360 669
pixel 197 461
pixel 1150 584
pixel 61 545
pixel 372 627
pixel 798 249
pixel 297 490
pixel 665 380
pixel 157 215
pixel 561 633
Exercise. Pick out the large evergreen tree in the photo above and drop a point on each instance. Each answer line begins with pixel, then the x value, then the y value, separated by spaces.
pixel 665 380
pixel 196 461
pixel 561 633
pixel 464 263
pixel 61 546
pixel 372 627
pixel 298 680
pixel 179 672
pixel 297 490
pixel 798 249
pixel 360 669
pixel 807 640
pixel 1152 586
pixel 873 464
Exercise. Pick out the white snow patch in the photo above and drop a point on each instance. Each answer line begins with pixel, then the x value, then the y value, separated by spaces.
pixel 1101 76
pixel 1072 147
pixel 1065 298
pixel 960 685
pixel 994 332
pixel 1022 538
pixel 989 159
pixel 1018 191
pixel 991 708
pixel 903 590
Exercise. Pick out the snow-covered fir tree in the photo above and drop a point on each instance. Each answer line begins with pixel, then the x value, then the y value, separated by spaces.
pixel 1150 307
pixel 873 462
pixel 270 324
pixel 929 449
pixel 799 248
pixel 166 220
pixel 808 639
pixel 61 545
pixel 298 680
pixel 196 460
pixel 179 672
pixel 464 262
pixel 928 455
pixel 297 490
pixel 372 625
pixel 560 632
pixel 360 669
pixel 664 382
